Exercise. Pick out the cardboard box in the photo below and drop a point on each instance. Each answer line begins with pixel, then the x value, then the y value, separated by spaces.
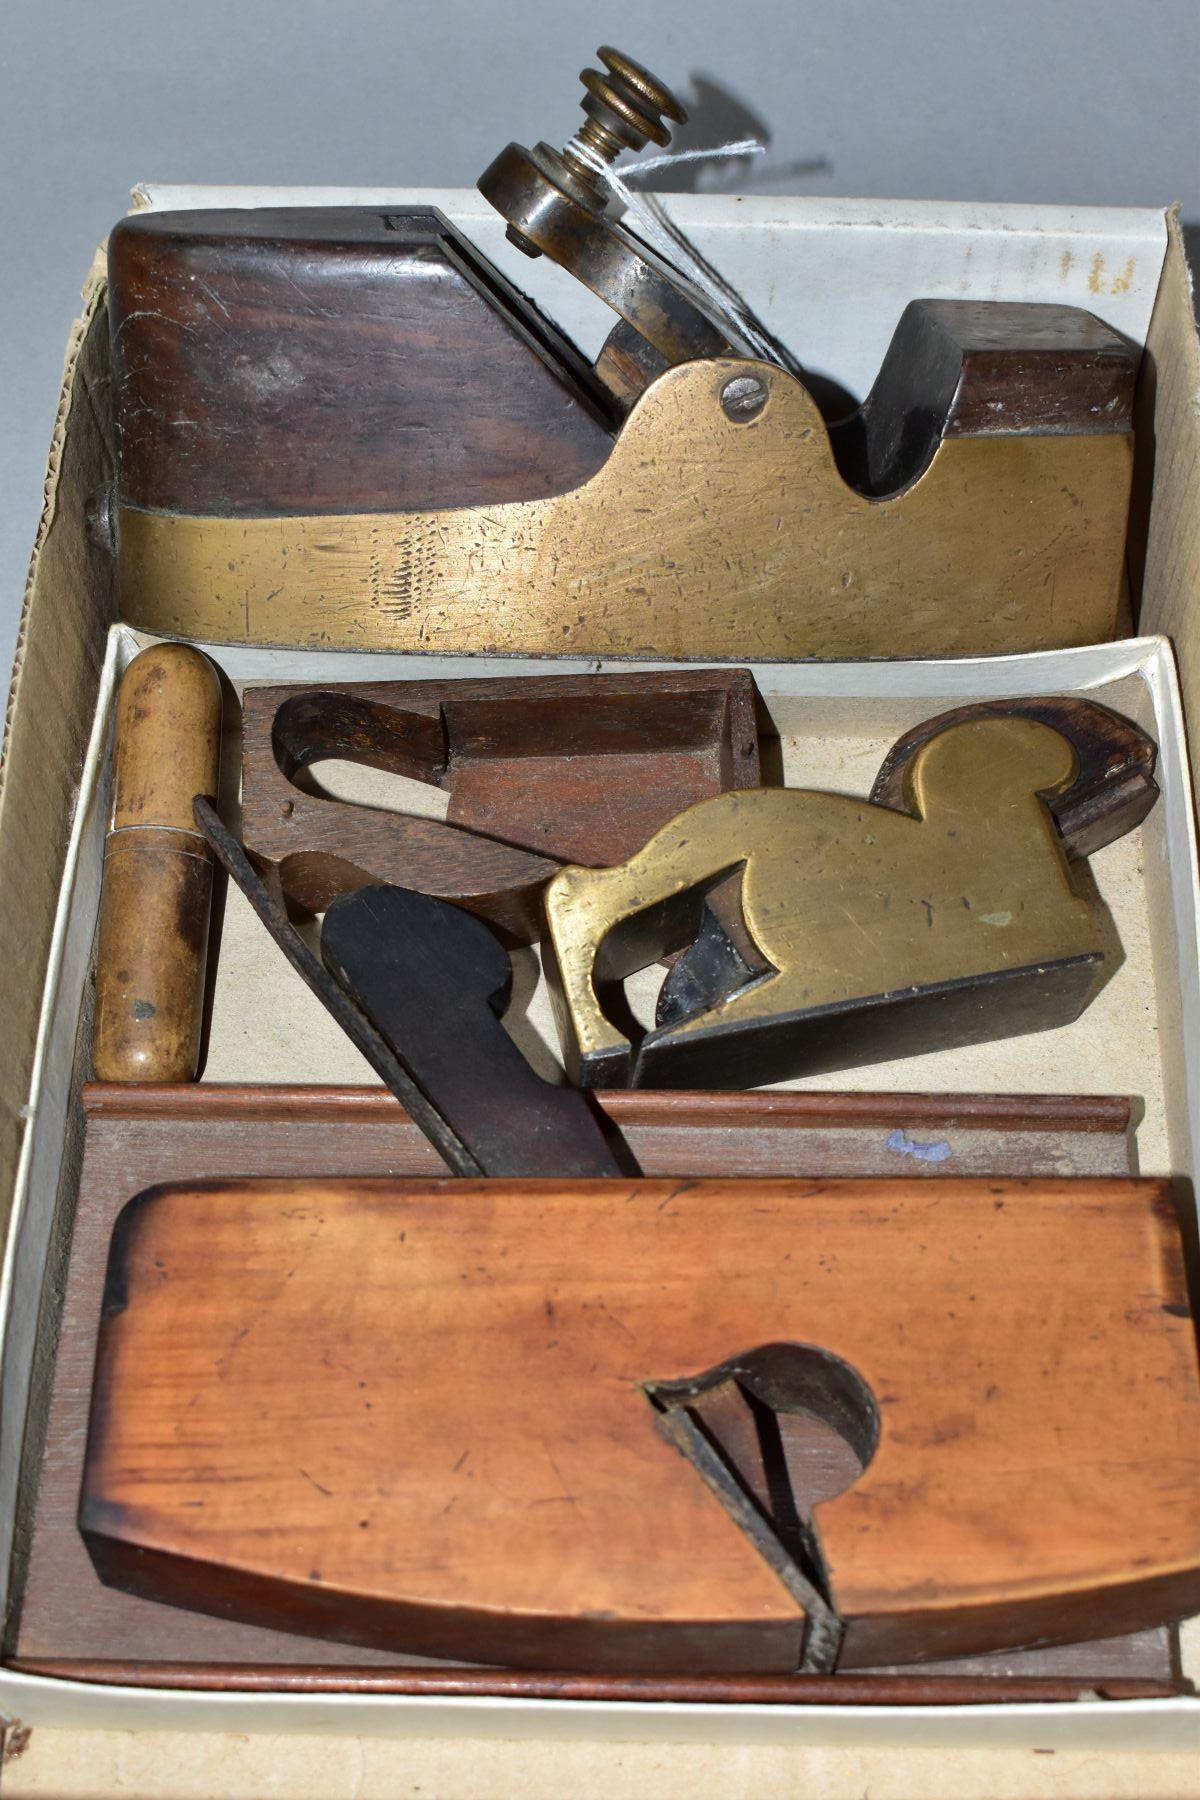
pixel 831 278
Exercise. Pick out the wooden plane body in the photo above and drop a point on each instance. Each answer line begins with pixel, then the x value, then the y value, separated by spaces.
pixel 491 1420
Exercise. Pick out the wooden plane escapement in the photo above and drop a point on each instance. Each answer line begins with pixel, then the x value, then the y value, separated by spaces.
pixel 540 771
pixel 940 912
pixel 447 1417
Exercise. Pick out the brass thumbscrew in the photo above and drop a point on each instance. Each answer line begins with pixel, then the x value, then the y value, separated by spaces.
pixel 625 111
pixel 557 203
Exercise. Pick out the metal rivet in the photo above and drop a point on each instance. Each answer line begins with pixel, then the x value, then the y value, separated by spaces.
pixel 522 243
pixel 743 398
pixel 100 518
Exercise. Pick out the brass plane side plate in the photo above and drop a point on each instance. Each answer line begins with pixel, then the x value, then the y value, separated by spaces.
pixel 846 904
pixel 700 537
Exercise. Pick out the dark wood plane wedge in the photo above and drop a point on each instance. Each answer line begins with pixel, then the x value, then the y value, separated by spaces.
pixel 540 770
pixel 420 987
pixel 435 983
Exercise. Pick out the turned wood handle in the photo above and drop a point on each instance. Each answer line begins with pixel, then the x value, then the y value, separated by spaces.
pixel 158 870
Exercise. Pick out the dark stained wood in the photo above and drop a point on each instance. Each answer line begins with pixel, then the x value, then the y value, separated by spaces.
pixel 540 770
pixel 1112 792
pixel 984 368
pixel 860 1689
pixel 345 359
pixel 436 983
pixel 267 902
pixel 446 1417
pixel 137 1136
pixel 419 986
pixel 334 359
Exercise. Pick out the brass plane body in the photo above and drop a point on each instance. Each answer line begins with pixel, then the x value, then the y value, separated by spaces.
pixel 847 904
pixel 700 536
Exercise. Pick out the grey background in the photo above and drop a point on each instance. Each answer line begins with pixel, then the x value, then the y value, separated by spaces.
pixel 1086 101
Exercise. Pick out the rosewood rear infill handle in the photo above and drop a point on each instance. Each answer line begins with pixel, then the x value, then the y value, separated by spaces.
pixel 420 987
pixel 1114 787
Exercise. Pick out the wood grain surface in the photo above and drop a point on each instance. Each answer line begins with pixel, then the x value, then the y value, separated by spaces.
pixel 540 770
pixel 968 1682
pixel 301 359
pixel 136 1136
pixel 445 1417
pixel 155 901
pixel 1113 787
pixel 972 368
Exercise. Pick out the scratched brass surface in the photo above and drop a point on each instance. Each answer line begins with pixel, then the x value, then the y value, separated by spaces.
pixel 700 537
pixel 844 899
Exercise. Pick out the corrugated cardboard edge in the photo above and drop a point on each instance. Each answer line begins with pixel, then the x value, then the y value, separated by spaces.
pixel 60 649
pixel 1169 408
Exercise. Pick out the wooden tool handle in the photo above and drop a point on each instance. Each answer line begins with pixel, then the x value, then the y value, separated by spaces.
pixel 158 870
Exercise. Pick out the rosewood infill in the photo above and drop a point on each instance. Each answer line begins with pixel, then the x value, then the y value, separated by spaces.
pixel 940 912
pixel 152 946
pixel 540 771
pixel 489 1419
pixel 343 428
pixel 145 1135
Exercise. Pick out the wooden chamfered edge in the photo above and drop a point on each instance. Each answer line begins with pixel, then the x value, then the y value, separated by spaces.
pixel 517 1684
pixel 627 1107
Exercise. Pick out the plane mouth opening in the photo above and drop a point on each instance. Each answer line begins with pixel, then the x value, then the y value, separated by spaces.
pixel 774 1431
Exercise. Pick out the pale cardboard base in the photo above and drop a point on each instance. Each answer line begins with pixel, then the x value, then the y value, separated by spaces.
pixel 155 1765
